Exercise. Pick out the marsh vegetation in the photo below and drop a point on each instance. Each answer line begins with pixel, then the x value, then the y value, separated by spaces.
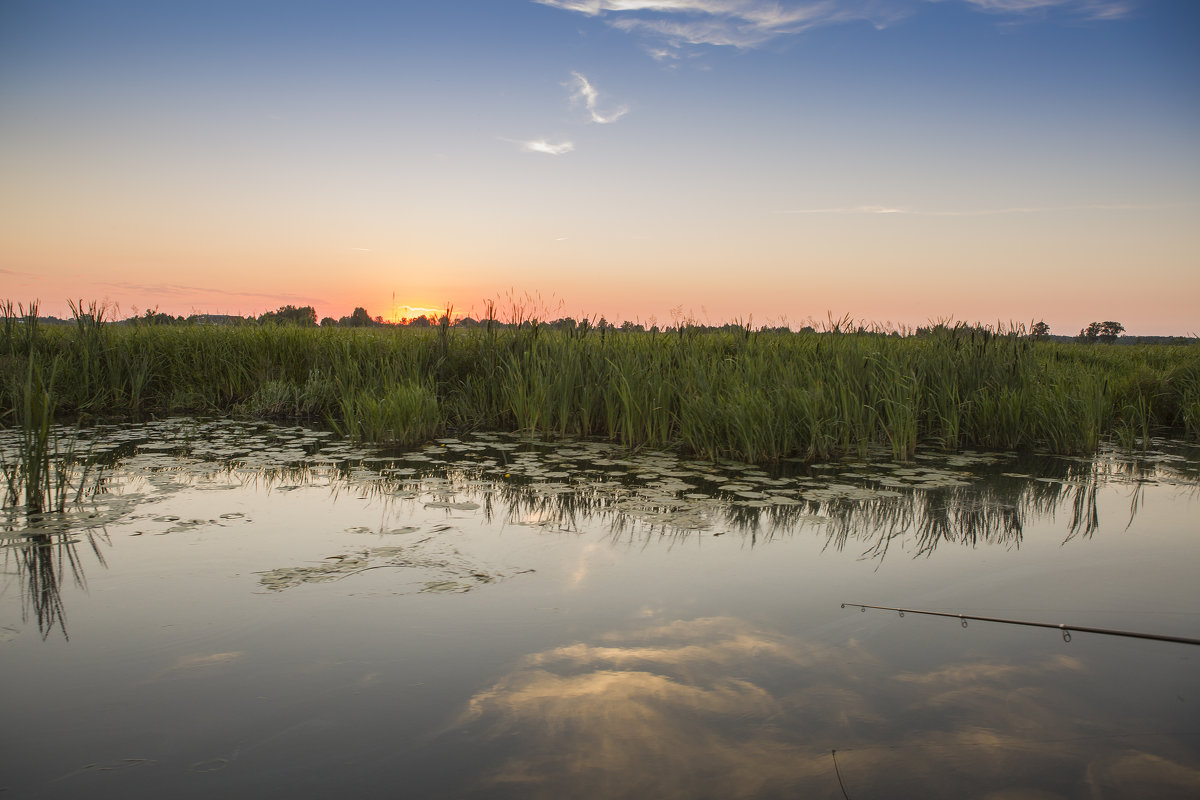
pixel 760 396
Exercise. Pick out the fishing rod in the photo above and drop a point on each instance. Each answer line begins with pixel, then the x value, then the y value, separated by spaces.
pixel 1066 629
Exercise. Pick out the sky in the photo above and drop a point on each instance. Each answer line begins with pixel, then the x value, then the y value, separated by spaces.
pixel 773 162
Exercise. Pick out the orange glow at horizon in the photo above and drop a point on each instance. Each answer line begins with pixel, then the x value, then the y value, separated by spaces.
pixel 403 312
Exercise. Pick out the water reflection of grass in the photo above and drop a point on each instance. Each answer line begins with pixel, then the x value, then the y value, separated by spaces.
pixel 967 499
pixel 873 506
pixel 758 396
pixel 44 544
pixel 44 562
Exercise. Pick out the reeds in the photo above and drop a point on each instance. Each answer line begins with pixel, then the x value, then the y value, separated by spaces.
pixel 45 473
pixel 404 414
pixel 738 393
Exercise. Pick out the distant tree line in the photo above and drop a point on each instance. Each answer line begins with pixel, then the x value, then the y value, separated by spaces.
pixel 1107 332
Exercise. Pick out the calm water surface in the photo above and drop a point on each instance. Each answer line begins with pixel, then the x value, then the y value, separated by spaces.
pixel 270 612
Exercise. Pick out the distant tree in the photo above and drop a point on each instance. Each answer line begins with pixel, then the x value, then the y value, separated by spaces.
pixel 328 322
pixel 289 314
pixel 152 316
pixel 358 319
pixel 1110 330
pixel 1040 330
pixel 1106 332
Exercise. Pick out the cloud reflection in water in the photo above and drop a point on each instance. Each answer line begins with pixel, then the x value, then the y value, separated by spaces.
pixel 717 708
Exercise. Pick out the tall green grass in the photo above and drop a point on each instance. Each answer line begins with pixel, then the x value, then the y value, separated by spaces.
pixel 40 474
pixel 735 393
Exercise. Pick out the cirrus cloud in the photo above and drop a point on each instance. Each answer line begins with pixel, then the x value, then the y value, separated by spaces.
pixel 544 146
pixel 981 212
pixel 583 91
pixel 751 23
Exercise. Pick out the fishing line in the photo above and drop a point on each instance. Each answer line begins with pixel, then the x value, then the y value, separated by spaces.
pixel 839 774
pixel 1066 629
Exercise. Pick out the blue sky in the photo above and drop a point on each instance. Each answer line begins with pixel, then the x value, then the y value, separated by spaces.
pixel 645 159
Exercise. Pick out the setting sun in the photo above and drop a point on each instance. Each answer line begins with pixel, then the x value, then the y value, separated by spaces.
pixel 401 313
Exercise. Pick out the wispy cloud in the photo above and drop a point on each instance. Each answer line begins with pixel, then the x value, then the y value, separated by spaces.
pixel 583 91
pixel 985 212
pixel 848 210
pixel 751 23
pixel 178 290
pixel 1088 9
pixel 736 23
pixel 550 148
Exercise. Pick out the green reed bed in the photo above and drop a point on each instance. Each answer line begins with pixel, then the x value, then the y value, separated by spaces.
pixel 41 472
pixel 758 396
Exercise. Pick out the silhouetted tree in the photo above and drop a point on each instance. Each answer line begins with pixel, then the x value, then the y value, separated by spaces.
pixel 358 319
pixel 1106 332
pixel 152 316
pixel 1040 330
pixel 289 314
pixel 1110 330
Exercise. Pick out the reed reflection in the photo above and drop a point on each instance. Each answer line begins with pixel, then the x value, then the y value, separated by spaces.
pixel 993 508
pixel 568 485
pixel 41 539
pixel 876 509
pixel 44 562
